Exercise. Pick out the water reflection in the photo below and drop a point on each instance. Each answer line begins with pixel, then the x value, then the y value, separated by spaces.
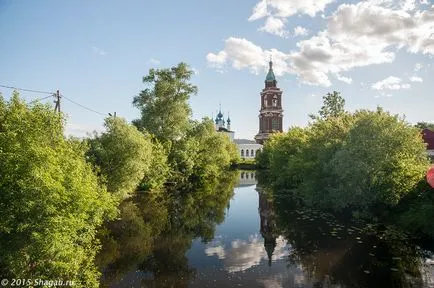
pixel 239 233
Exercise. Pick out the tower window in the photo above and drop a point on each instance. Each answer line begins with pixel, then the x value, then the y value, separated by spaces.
pixel 275 124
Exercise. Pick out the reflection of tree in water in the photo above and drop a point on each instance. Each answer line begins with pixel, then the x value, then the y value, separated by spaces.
pixel 154 234
pixel 347 255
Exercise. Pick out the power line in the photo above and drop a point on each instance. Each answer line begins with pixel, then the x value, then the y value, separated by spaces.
pixel 27 90
pixel 84 107
pixel 43 98
pixel 52 94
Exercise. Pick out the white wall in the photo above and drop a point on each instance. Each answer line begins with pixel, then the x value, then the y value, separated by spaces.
pixel 242 148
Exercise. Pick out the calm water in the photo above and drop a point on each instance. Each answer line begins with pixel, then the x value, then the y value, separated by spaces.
pixel 248 239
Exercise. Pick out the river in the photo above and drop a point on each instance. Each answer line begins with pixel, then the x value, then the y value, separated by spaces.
pixel 243 237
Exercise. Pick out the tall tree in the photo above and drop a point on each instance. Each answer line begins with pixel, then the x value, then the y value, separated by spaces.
pixel 51 202
pixel 333 106
pixel 123 155
pixel 164 105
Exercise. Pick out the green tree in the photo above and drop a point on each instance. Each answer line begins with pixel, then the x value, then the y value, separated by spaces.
pixel 425 125
pixel 51 202
pixel 334 106
pixel 123 155
pixel 383 159
pixel 202 154
pixel 365 160
pixel 164 106
pixel 160 171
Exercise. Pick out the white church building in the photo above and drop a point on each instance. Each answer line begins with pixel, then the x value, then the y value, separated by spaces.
pixel 247 148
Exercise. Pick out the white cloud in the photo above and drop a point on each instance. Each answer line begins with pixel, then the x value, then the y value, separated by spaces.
pixel 241 53
pixel 99 51
pixel 363 34
pixel 259 11
pixel 416 79
pixel 319 56
pixel 384 27
pixel 275 26
pixel 344 79
pixel 417 67
pixel 300 31
pixel 285 8
pixel 153 61
pixel 357 35
pixel 390 83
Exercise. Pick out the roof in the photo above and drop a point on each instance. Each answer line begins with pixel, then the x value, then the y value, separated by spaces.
pixel 428 137
pixel 270 74
pixel 244 141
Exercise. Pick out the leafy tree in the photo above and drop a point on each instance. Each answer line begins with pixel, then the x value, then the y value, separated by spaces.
pixel 425 125
pixel 164 106
pixel 364 160
pixel 202 154
pixel 333 106
pixel 123 155
pixel 382 160
pixel 51 202
pixel 157 176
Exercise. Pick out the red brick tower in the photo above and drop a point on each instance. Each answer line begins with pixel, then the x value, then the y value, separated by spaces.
pixel 271 113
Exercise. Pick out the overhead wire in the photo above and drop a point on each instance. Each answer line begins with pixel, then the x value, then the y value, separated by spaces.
pixel 51 94
pixel 27 90
pixel 84 107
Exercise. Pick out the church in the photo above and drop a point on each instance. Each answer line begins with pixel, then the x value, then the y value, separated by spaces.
pixel 270 118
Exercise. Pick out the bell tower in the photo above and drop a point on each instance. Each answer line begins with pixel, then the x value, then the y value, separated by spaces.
pixel 271 113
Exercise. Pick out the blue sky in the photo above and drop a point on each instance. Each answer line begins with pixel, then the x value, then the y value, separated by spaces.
pixel 375 52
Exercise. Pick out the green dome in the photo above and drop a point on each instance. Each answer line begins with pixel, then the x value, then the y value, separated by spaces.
pixel 270 74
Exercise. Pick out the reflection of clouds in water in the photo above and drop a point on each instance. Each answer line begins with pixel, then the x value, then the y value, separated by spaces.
pixel 245 254
pixel 217 250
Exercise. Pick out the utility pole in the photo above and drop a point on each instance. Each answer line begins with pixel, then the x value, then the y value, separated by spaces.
pixel 57 101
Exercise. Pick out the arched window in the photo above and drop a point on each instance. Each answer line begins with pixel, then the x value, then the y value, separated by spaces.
pixel 242 152
pixel 242 175
pixel 247 175
pixel 274 124
pixel 247 152
pixel 252 153
pixel 275 101
pixel 257 151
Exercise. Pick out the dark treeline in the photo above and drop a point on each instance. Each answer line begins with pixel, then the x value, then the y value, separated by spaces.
pixel 55 192
pixel 366 164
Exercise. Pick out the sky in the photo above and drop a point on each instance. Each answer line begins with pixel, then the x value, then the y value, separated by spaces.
pixel 375 52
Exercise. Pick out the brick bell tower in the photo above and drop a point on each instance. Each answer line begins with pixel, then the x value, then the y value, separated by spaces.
pixel 271 113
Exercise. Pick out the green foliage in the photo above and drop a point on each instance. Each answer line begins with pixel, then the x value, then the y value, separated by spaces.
pixel 202 154
pixel 382 160
pixel 333 106
pixel 123 155
pixel 425 125
pixel 50 200
pixel 159 172
pixel 359 161
pixel 164 107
